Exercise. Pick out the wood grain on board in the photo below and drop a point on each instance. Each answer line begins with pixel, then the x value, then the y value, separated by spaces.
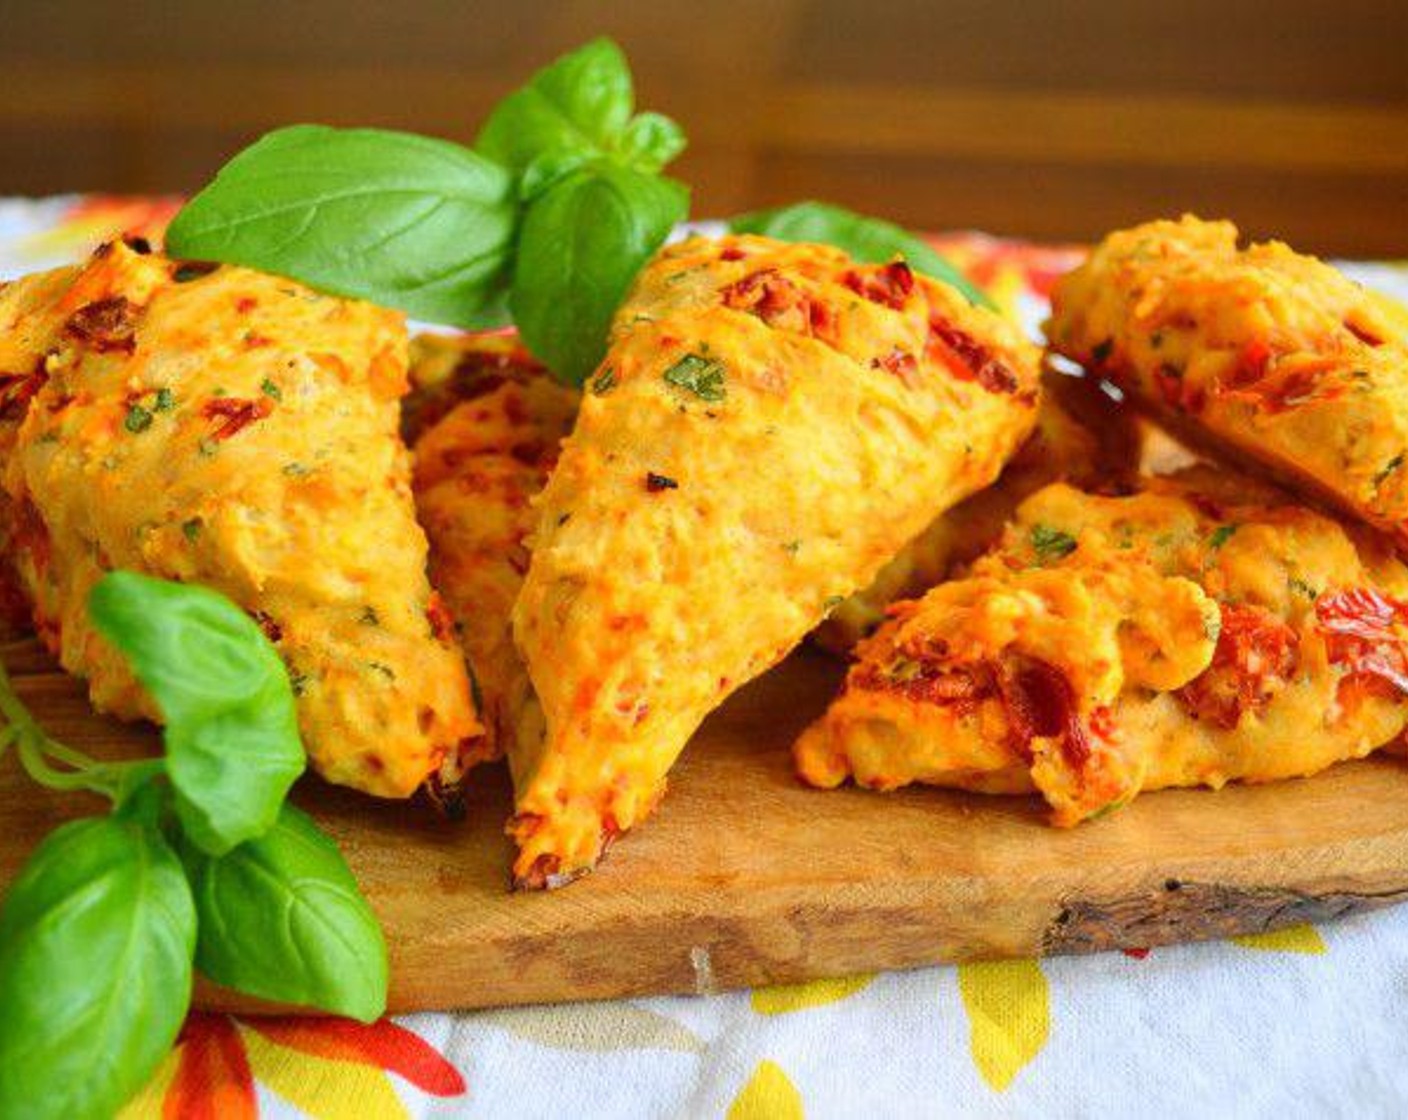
pixel 743 877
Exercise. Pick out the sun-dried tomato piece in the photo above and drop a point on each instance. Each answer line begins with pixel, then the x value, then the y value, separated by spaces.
pixel 968 358
pixel 18 389
pixel 931 682
pixel 105 325
pixel 774 299
pixel 1256 654
pixel 1041 703
pixel 1362 333
pixel 1360 635
pixel 889 284
pixel 902 364
pixel 235 414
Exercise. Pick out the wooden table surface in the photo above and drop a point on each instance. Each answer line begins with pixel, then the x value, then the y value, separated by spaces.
pixel 1044 119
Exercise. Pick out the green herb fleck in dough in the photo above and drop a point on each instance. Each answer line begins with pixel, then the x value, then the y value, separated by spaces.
pixel 1300 587
pixel 704 377
pixel 1050 543
pixel 191 528
pixel 604 382
pixel 1221 535
pixel 269 389
pixel 138 419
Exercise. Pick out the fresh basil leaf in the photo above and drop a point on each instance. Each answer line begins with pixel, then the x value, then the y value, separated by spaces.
pixel 576 110
pixel 231 735
pixel 96 940
pixel 582 244
pixel 548 170
pixel 405 221
pixel 282 918
pixel 869 240
pixel 651 141
pixel 580 103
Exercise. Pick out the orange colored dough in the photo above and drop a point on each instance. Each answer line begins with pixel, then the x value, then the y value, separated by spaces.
pixel 229 428
pixel 770 425
pixel 1201 631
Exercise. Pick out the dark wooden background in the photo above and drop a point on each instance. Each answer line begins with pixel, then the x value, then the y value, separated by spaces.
pixel 1048 118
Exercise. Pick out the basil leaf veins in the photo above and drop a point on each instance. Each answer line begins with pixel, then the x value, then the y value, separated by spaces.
pixel 406 221
pixel 96 940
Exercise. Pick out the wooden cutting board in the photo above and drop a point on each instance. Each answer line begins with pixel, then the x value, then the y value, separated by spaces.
pixel 744 877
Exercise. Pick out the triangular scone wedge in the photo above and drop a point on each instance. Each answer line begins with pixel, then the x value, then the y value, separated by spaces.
pixel 770 425
pixel 224 427
pixel 1272 359
pixel 489 421
pixel 1202 631
pixel 1082 436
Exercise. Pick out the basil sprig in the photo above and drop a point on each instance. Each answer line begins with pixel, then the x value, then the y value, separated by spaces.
pixel 580 108
pixel 200 866
pixel 456 235
pixel 871 240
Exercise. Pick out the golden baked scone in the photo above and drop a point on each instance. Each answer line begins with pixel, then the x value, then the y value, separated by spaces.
pixel 225 427
pixel 478 467
pixel 28 316
pixel 1081 436
pixel 1202 631
pixel 771 423
pixel 1273 359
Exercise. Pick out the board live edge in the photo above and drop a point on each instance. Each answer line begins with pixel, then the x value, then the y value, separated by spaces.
pixel 744 877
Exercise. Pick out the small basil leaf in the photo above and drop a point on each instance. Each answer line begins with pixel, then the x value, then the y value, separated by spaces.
pixel 651 141
pixel 231 735
pixel 548 170
pixel 869 240
pixel 582 244
pixel 405 221
pixel 580 103
pixel 282 918
pixel 96 940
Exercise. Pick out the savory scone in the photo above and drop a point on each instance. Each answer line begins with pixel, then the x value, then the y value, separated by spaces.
pixel 478 466
pixel 1273 359
pixel 1081 436
pixel 1201 631
pixel 28 315
pixel 771 423
pixel 229 428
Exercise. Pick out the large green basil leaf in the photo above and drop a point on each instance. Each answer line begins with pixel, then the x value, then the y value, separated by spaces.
pixel 405 221
pixel 870 240
pixel 281 917
pixel 231 735
pixel 583 242
pixel 96 940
